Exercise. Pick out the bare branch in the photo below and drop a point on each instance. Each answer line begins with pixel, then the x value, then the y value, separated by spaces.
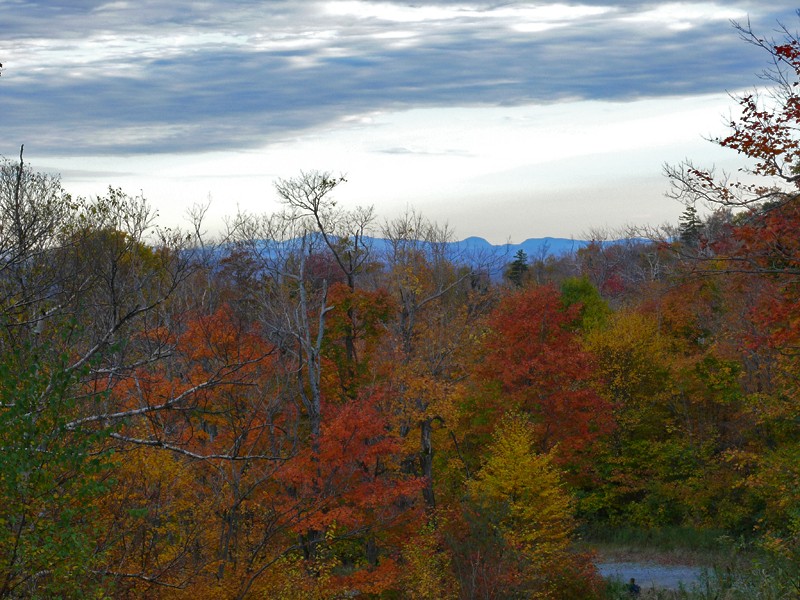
pixel 183 451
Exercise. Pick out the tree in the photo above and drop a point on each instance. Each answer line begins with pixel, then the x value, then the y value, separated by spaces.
pixel 766 135
pixel 50 475
pixel 621 264
pixel 344 234
pixel 87 322
pixel 359 317
pixel 761 252
pixel 518 268
pixel 437 301
pixel 427 572
pixel 528 487
pixel 533 353
pixel 34 212
pixel 594 311
pixel 291 307
pixel 521 492
pixel 343 494
pixel 690 226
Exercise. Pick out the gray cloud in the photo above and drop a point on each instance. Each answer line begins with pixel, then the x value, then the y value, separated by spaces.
pixel 144 77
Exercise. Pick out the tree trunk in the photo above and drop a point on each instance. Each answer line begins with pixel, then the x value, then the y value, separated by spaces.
pixel 426 463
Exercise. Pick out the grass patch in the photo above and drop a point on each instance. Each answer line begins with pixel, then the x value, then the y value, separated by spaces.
pixel 667 546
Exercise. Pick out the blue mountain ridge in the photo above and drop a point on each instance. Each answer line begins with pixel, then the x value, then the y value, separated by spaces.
pixel 474 251
pixel 535 248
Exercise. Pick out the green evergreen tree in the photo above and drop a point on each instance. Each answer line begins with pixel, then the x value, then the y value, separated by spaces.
pixel 518 268
pixel 691 226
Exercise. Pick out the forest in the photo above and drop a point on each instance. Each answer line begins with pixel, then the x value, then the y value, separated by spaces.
pixel 280 410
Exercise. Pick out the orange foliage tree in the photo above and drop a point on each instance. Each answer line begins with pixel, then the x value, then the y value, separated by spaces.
pixel 535 358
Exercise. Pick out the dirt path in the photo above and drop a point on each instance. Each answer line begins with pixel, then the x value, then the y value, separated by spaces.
pixel 650 575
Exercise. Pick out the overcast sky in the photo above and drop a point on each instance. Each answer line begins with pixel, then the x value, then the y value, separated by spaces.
pixel 507 119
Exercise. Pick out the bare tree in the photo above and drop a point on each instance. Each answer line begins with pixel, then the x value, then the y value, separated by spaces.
pixel 291 308
pixel 34 209
pixel 344 233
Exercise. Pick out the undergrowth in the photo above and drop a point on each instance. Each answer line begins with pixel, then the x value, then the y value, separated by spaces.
pixel 732 569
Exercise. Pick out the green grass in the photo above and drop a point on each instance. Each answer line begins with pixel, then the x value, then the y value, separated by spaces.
pixel 674 545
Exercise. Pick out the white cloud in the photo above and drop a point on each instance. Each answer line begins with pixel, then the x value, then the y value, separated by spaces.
pixel 682 16
pixel 523 17
pixel 536 19
pixel 112 6
pixel 398 13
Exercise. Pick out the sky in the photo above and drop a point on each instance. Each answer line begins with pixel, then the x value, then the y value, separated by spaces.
pixel 505 119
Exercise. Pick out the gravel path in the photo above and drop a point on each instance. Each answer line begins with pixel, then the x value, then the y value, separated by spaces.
pixel 649 575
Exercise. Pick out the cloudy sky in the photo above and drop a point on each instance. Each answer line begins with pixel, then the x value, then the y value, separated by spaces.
pixel 507 119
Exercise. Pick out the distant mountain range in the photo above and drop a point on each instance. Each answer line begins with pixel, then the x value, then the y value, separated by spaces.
pixel 494 258
pixel 533 247
pixel 474 251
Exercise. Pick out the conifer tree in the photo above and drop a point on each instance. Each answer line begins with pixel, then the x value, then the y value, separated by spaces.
pixel 518 268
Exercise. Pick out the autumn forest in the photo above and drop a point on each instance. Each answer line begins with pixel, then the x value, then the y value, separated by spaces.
pixel 284 410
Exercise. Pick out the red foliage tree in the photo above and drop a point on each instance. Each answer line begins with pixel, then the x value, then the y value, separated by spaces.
pixel 533 353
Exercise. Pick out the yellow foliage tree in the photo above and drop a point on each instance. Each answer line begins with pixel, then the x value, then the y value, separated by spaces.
pixel 427 573
pixel 533 511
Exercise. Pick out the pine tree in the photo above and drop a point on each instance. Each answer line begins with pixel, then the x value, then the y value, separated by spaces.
pixel 690 226
pixel 518 268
